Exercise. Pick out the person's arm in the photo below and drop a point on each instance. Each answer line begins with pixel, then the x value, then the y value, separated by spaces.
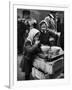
pixel 54 32
pixel 30 48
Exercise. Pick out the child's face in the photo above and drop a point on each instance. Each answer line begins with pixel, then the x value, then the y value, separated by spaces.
pixel 36 38
pixel 43 27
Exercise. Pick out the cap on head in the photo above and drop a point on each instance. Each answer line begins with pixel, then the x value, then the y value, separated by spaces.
pixel 50 16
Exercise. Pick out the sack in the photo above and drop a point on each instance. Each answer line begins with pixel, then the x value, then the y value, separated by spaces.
pixel 39 63
pixel 37 74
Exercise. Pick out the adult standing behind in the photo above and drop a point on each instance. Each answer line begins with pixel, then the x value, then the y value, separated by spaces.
pixel 28 21
pixel 60 28
pixel 22 27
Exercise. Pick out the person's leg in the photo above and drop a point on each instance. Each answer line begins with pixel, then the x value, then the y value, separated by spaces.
pixel 27 76
pixel 28 70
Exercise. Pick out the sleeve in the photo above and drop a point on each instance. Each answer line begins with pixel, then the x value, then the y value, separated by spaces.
pixel 30 48
pixel 27 43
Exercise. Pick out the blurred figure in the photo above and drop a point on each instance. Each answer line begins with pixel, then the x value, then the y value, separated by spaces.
pixel 47 30
pixel 60 28
pixel 44 37
pixel 32 48
pixel 28 21
pixel 62 36
pixel 50 20
pixel 52 28
pixel 24 25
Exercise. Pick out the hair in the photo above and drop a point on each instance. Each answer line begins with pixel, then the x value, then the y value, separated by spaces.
pixel 35 25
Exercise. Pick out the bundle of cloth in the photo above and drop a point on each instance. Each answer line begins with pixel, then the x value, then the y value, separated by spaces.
pixel 55 62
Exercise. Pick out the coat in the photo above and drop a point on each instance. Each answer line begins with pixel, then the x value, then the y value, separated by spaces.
pixel 29 52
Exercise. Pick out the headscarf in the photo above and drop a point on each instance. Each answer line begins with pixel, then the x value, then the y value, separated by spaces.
pixel 43 21
pixel 32 34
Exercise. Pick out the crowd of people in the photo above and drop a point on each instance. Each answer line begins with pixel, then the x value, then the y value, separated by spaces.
pixel 33 35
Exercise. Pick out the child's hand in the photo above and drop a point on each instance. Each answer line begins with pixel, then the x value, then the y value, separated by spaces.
pixel 37 42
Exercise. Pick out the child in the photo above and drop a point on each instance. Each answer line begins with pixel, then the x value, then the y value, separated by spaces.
pixel 31 48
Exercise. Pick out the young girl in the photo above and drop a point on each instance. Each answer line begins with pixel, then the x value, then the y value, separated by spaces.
pixel 31 49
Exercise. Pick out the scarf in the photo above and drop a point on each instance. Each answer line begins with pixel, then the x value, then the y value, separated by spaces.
pixel 32 34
